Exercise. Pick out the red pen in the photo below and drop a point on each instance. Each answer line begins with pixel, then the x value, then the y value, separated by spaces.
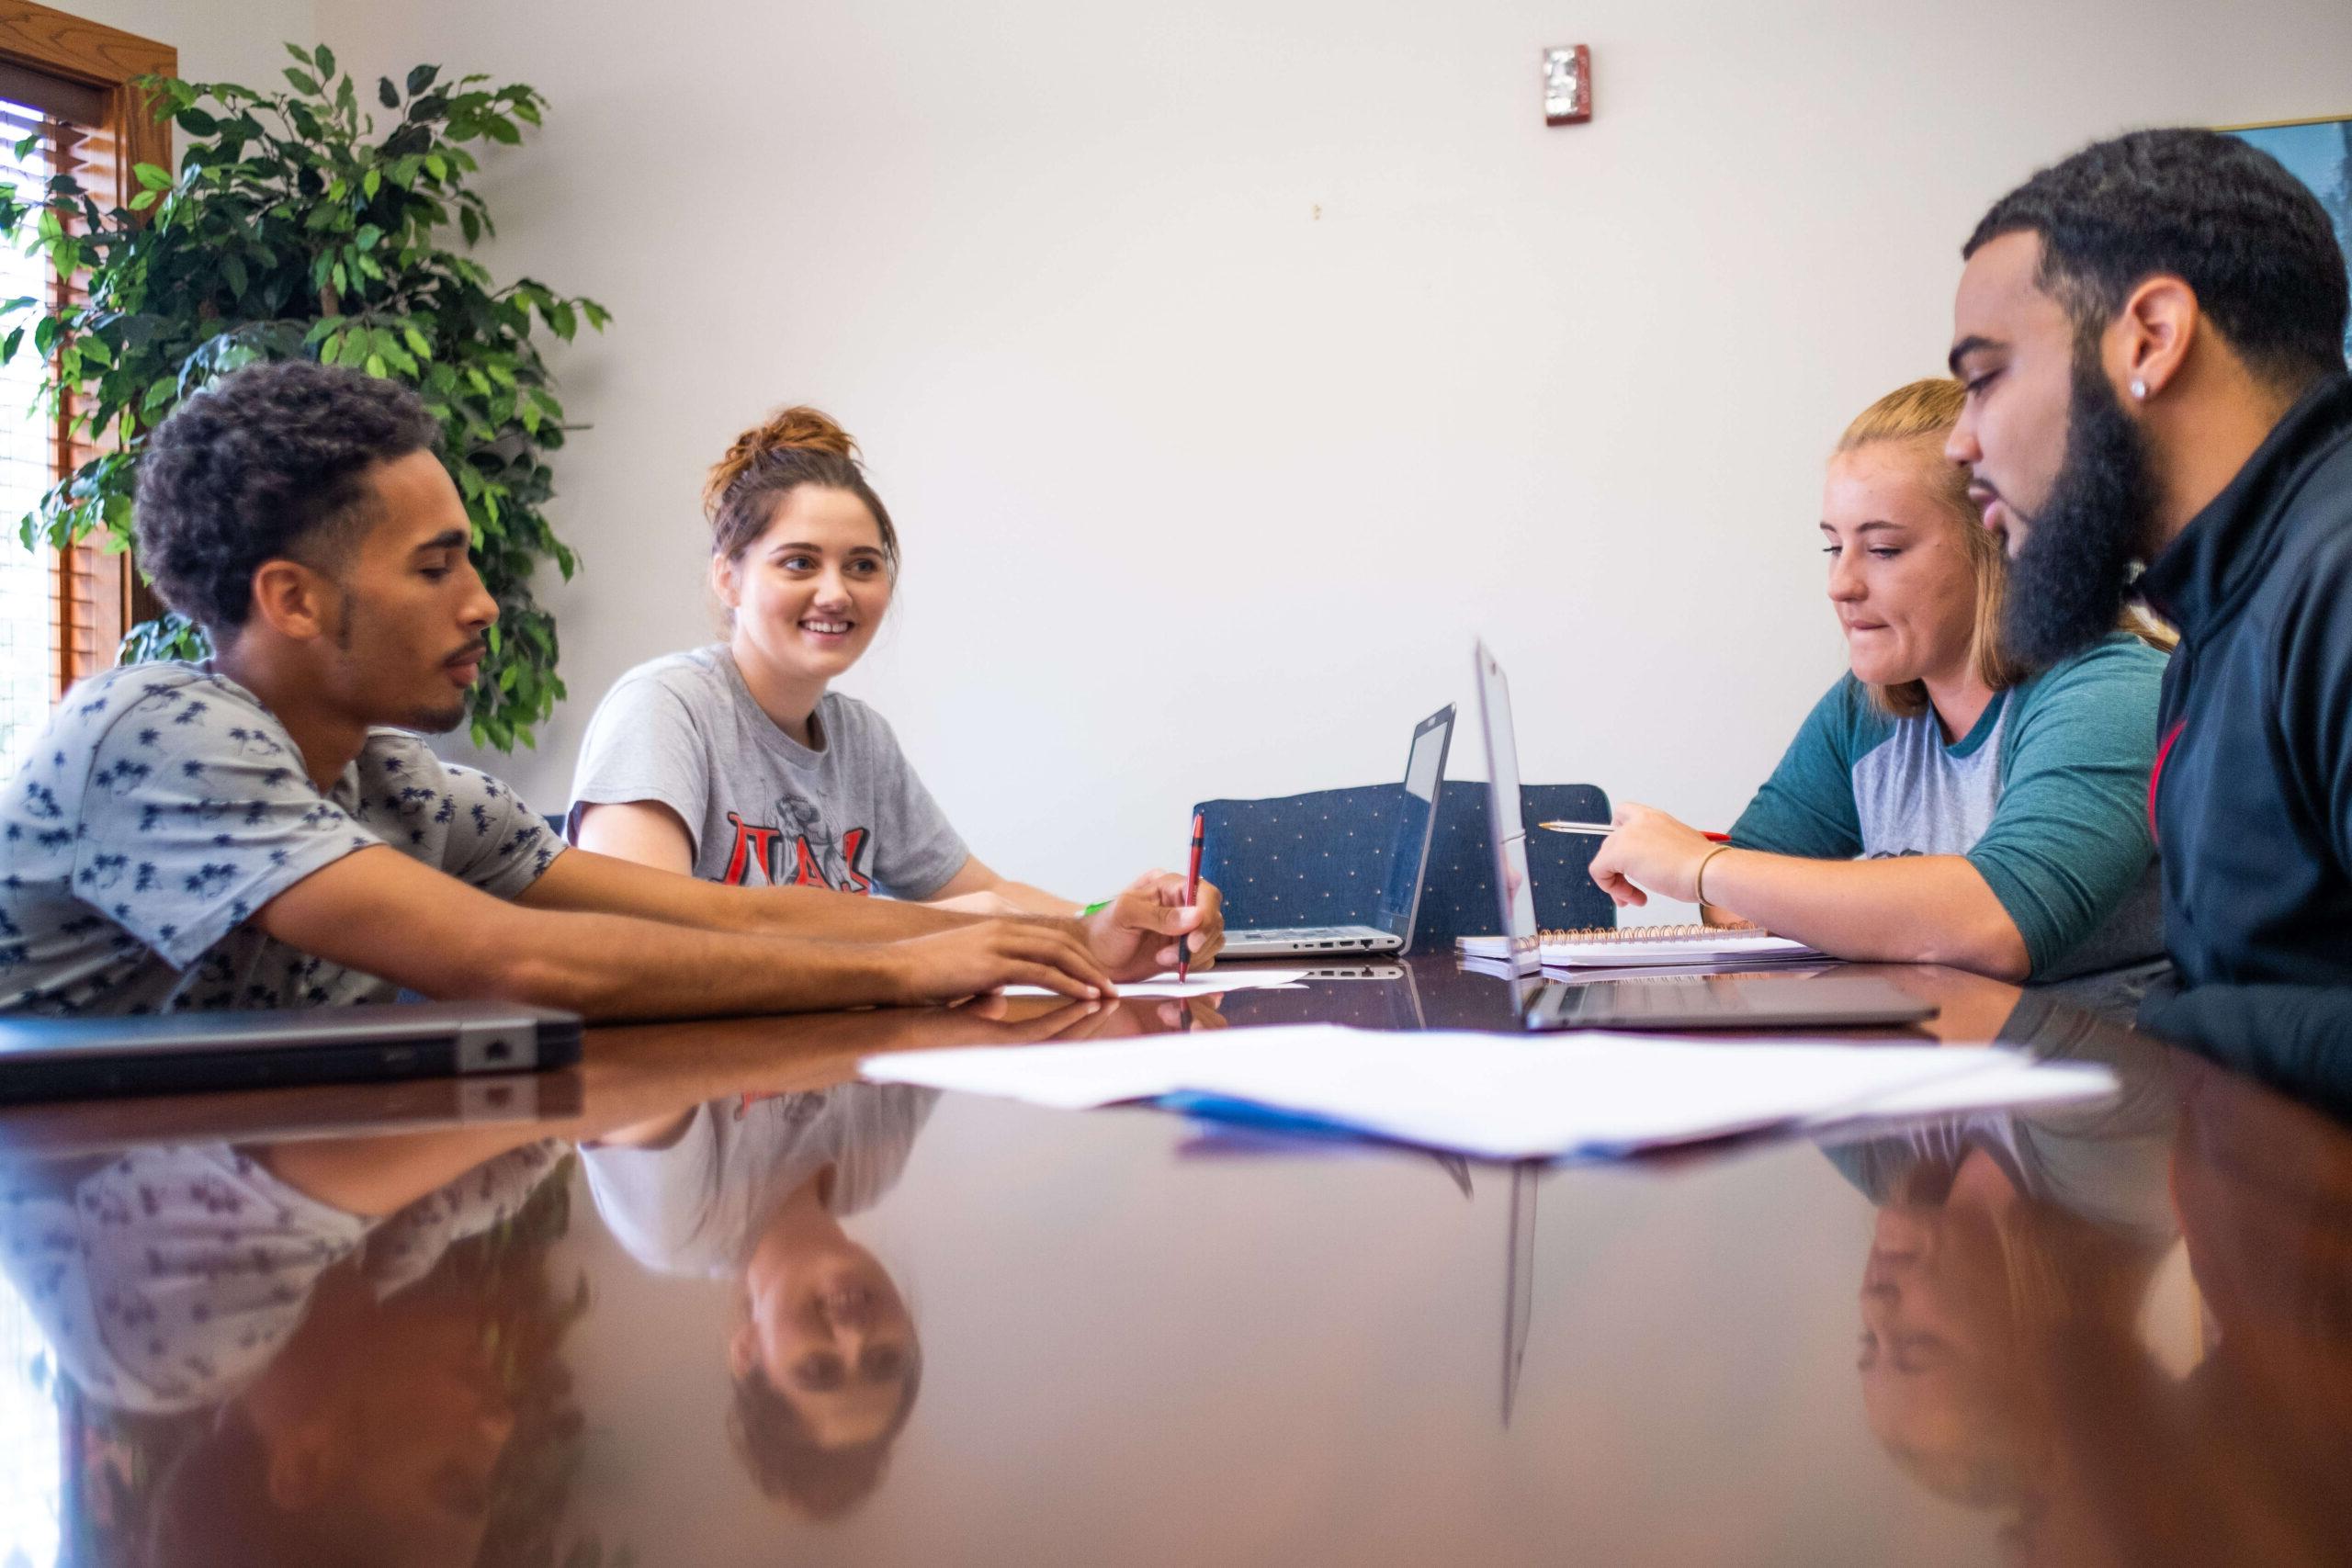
pixel 1602 830
pixel 1191 897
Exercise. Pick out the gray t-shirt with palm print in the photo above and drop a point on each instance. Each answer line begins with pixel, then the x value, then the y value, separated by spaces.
pixel 164 805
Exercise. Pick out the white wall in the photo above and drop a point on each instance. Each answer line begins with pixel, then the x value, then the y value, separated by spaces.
pixel 1228 365
pixel 219 41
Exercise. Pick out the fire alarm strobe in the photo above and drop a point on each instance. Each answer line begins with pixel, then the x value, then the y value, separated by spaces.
pixel 1567 85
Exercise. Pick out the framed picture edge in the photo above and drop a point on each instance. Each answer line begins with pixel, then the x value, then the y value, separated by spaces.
pixel 2286 124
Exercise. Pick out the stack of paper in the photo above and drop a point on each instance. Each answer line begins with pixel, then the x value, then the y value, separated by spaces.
pixel 1508 1097
pixel 1203 983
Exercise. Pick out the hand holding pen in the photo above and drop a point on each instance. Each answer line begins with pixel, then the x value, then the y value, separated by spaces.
pixel 1648 851
pixel 1192 898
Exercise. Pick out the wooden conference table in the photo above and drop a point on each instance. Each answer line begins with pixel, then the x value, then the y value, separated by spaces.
pixel 2112 1336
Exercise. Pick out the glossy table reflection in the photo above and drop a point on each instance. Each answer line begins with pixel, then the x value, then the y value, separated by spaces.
pixel 765 1316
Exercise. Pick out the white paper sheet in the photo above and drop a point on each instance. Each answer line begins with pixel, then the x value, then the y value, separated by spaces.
pixel 1203 983
pixel 1505 1097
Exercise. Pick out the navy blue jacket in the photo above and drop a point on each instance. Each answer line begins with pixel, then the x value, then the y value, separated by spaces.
pixel 2252 799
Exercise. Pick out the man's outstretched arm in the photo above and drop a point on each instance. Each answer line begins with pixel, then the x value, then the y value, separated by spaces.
pixel 1132 937
pixel 380 911
pixel 581 881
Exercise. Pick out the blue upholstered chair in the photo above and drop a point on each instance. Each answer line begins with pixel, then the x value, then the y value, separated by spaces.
pixel 1322 859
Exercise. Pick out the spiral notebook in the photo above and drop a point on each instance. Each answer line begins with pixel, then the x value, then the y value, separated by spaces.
pixel 1621 947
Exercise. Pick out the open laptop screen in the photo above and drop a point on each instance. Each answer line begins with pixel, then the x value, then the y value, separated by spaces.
pixel 1416 825
pixel 1506 824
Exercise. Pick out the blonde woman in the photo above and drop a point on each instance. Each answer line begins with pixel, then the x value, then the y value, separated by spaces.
pixel 1942 803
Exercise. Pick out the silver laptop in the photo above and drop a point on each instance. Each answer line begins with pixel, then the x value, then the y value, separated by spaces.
pixel 1408 857
pixel 1673 1001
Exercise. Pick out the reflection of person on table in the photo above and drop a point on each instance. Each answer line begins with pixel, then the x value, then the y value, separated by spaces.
pixel 1999 1236
pixel 753 1187
pixel 2265 1193
pixel 1946 801
pixel 2122 1465
pixel 358 1412
pixel 823 1352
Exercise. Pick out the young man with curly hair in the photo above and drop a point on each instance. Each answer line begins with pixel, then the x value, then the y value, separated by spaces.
pixel 263 829
pixel 2152 335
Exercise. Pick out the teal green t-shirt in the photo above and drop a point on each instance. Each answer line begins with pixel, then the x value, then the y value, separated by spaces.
pixel 2047 798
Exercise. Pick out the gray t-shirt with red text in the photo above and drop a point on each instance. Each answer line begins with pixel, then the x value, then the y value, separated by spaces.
pixel 762 808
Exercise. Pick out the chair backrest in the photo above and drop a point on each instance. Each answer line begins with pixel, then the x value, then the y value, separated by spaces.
pixel 1322 859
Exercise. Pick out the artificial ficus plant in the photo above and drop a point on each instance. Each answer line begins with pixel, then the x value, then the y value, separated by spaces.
pixel 293 228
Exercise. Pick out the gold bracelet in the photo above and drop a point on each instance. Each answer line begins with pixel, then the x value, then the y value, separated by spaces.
pixel 1698 883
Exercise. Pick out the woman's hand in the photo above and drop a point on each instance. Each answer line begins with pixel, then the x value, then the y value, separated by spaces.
pixel 1135 936
pixel 1650 849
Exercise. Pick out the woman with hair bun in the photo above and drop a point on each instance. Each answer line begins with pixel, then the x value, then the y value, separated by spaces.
pixel 738 763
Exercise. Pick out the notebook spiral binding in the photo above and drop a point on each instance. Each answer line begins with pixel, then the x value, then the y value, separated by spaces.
pixel 1610 936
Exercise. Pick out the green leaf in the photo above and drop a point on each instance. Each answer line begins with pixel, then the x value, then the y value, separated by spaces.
pixel 294 207
pixel 9 344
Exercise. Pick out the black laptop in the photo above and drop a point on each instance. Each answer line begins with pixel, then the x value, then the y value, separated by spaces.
pixel 61 1058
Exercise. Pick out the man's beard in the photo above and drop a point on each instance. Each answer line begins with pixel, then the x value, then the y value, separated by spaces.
pixel 2068 581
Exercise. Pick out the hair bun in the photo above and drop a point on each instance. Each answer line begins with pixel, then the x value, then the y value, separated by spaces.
pixel 801 425
pixel 798 428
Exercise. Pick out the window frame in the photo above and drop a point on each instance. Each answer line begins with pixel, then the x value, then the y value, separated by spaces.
pixel 69 48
